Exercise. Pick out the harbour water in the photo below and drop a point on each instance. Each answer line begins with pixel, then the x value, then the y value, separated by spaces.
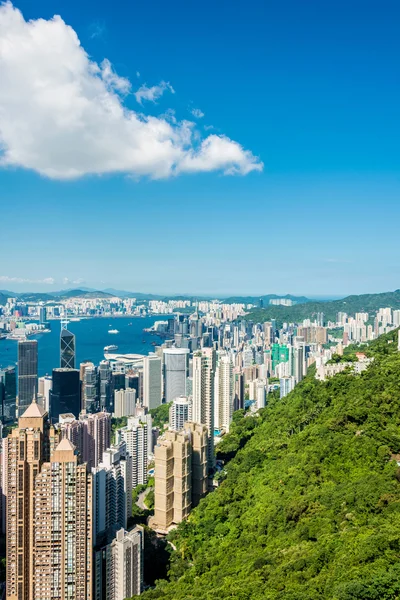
pixel 91 337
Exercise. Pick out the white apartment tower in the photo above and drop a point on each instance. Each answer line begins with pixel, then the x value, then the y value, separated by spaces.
pixel 204 365
pixel 180 412
pixel 224 393
pixel 136 435
pixel 112 491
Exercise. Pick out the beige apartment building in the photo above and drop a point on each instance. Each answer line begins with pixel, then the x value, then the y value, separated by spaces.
pixel 180 474
pixel 49 514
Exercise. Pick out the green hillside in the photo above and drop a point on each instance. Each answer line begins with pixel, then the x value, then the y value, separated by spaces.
pixel 351 304
pixel 310 507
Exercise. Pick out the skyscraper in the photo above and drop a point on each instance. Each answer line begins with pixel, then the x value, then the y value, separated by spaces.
pixel 91 434
pixel 112 491
pixel 105 392
pixel 88 376
pixel 65 395
pixel 224 393
pixel 180 474
pixel 124 403
pixel 8 393
pixel 175 372
pixel 67 349
pixel 151 381
pixel 203 395
pixel 136 436
pixel 180 412
pixel 62 528
pixel 27 373
pixel 119 566
pixel 28 446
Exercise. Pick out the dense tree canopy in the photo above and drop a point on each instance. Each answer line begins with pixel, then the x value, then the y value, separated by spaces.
pixel 310 504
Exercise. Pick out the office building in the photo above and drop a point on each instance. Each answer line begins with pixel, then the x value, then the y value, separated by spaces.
pixel 65 394
pixel 88 376
pixel 112 492
pixel 136 435
pixel 105 386
pixel 42 315
pixel 152 381
pixel 27 373
pixel 119 566
pixel 45 385
pixel 204 365
pixel 175 372
pixel 8 393
pixel 124 403
pixel 180 412
pixel 67 349
pixel 180 474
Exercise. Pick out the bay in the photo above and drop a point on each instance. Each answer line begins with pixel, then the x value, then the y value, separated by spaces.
pixel 91 335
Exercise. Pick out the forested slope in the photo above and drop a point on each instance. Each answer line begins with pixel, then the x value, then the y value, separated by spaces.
pixel 310 507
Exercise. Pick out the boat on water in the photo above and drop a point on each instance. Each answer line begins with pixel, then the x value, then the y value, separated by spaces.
pixel 113 331
pixel 110 348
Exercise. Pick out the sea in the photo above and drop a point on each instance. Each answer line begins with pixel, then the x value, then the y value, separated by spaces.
pixel 91 335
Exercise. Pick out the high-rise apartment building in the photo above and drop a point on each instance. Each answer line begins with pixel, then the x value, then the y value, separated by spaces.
pixel 27 373
pixel 136 436
pixel 27 447
pixel 119 566
pixel 180 412
pixel 152 391
pixel 90 434
pixel 204 365
pixel 124 403
pixel 180 474
pixel 224 393
pixel 67 349
pixel 62 528
pixel 175 372
pixel 112 492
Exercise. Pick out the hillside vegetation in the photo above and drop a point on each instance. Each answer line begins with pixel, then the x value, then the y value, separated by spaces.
pixel 351 304
pixel 310 506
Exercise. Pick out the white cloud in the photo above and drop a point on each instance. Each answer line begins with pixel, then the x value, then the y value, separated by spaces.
pixel 196 112
pixel 63 115
pixel 67 281
pixel 153 93
pixel 46 280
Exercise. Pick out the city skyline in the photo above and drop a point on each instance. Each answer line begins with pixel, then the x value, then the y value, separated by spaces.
pixel 305 95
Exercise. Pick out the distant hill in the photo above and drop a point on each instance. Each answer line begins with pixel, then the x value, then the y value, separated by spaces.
pixel 84 294
pixel 266 298
pixel 369 303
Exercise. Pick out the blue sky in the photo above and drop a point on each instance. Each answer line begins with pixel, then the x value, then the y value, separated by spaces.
pixel 310 90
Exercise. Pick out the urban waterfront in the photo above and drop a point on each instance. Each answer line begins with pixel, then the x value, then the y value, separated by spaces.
pixel 91 338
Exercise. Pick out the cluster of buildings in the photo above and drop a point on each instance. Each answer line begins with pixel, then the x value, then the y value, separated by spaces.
pixel 66 485
pixel 107 305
